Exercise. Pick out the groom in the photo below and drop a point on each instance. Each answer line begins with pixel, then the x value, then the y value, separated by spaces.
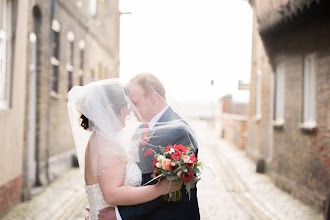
pixel 147 93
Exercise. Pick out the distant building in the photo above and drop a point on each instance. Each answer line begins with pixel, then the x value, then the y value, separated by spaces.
pixel 289 124
pixel 231 121
pixel 51 47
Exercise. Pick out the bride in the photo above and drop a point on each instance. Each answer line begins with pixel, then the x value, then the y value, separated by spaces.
pixel 99 112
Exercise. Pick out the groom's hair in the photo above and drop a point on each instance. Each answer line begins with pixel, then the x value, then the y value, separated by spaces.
pixel 149 83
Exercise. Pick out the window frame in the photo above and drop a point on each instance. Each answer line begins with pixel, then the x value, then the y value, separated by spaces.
pixel 6 58
pixel 258 95
pixel 55 59
pixel 309 93
pixel 279 96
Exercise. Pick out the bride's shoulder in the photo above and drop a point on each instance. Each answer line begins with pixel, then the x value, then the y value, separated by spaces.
pixel 93 139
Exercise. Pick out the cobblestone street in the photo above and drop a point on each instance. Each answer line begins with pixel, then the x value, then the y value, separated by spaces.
pixel 235 191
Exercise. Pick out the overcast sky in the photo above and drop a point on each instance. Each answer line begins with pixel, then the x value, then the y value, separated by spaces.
pixel 188 43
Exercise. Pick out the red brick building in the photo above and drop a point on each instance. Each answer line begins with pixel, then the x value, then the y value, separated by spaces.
pixel 231 121
pixel 289 117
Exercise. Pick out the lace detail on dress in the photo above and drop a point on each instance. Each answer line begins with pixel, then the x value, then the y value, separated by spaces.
pixel 133 174
pixel 95 198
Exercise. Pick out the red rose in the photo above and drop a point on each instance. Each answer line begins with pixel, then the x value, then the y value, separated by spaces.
pixel 189 165
pixel 155 173
pixel 187 176
pixel 193 158
pixel 176 156
pixel 168 148
pixel 154 163
pixel 180 148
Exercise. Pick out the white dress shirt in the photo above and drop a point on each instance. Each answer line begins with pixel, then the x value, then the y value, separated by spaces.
pixel 155 119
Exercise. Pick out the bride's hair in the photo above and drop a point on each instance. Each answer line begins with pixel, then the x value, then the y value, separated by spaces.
pixel 116 99
pixel 84 122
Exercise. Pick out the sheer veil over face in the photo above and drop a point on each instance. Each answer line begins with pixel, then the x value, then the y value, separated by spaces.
pixel 106 105
pixel 110 141
pixel 163 124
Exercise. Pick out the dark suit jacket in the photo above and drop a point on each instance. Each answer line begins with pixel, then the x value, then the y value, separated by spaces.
pixel 158 208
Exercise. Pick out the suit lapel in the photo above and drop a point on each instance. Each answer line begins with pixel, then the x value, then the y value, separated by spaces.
pixel 166 116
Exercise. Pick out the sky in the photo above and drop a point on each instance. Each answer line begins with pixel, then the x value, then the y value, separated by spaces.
pixel 188 43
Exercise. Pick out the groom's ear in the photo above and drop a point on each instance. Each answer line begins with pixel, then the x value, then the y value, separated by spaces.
pixel 153 96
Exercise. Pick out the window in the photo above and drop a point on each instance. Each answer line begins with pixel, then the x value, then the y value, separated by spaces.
pixel 5 52
pixel 69 66
pixel 81 66
pixel 56 54
pixel 93 7
pixel 258 95
pixel 279 95
pixel 309 104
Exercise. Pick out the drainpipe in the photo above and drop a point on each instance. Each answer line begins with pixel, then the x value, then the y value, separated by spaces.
pixel 49 84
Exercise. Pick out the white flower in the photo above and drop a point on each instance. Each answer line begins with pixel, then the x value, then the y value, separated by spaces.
pixel 160 157
pixel 172 150
pixel 158 165
pixel 179 173
pixel 186 158
pixel 173 164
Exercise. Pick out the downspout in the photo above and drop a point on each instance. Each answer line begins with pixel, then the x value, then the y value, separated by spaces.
pixel 49 84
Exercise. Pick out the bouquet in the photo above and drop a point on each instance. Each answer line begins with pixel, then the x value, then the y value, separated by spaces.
pixel 177 162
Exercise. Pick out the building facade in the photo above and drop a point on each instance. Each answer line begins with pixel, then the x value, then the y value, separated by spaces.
pixel 13 41
pixel 231 121
pixel 289 117
pixel 57 44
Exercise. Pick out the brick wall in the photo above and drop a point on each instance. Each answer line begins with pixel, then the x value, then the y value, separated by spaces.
pixel 101 58
pixel 234 129
pixel 310 173
pixel 259 140
pixel 10 194
pixel 299 159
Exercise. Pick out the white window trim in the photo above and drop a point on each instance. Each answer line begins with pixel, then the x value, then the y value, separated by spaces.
pixel 54 61
pixel 6 53
pixel 69 67
pixel 258 95
pixel 70 36
pixel 279 101
pixel 82 45
pixel 309 95
pixel 56 26
pixel 93 7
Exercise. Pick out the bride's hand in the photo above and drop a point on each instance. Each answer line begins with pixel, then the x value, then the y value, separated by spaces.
pixel 165 188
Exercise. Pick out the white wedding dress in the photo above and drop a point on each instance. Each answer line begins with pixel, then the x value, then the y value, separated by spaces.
pixel 94 195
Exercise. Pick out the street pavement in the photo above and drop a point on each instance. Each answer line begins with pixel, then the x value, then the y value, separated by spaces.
pixel 229 189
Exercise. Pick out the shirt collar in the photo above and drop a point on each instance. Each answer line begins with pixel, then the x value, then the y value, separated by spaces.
pixel 153 121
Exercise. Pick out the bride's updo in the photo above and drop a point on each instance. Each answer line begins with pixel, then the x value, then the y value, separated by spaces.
pixel 116 99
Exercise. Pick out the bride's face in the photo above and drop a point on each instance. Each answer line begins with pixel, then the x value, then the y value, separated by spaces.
pixel 122 115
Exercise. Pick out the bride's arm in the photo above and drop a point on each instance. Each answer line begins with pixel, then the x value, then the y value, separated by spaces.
pixel 115 193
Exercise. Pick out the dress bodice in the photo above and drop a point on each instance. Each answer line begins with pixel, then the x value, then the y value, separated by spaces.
pixel 95 198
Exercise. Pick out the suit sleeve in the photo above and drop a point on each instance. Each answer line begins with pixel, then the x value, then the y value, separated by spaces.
pixel 186 138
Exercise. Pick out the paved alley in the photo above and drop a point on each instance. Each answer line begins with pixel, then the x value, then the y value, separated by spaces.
pixel 235 191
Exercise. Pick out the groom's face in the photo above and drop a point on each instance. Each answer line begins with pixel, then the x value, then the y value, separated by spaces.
pixel 142 102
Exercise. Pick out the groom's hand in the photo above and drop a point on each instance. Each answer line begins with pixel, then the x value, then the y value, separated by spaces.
pixel 87 216
pixel 107 214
